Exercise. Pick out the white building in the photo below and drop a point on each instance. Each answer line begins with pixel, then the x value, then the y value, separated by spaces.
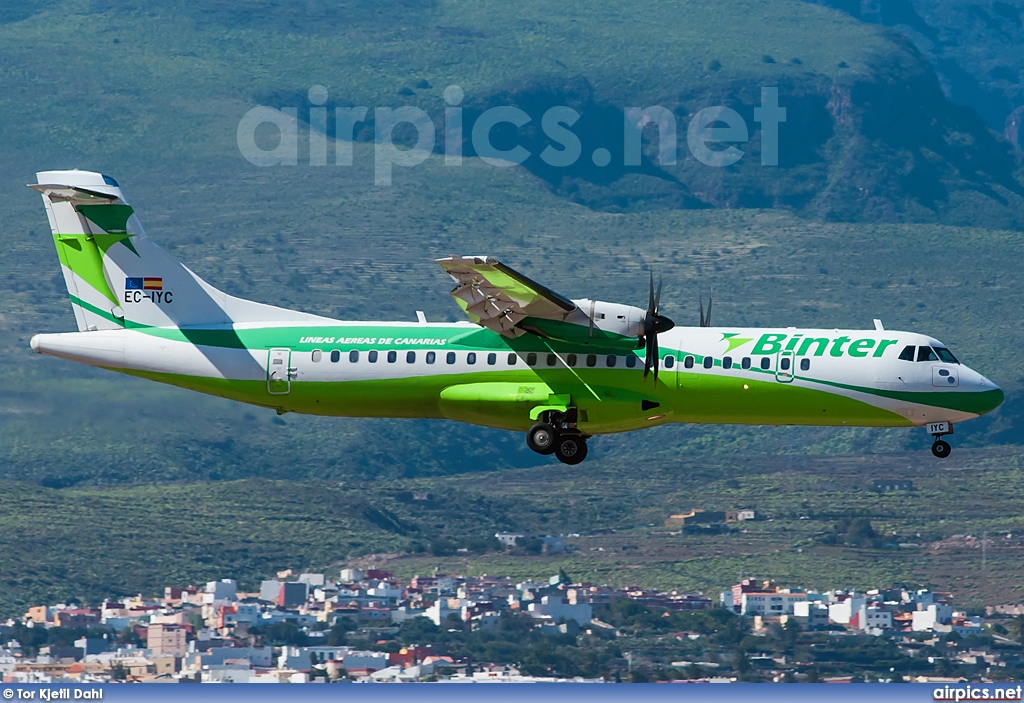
pixel 770 602
pixel 352 575
pixel 841 611
pixel 936 613
pixel 225 589
pixel 384 591
pixel 810 614
pixel 299 659
pixel 507 539
pixel 442 608
pixel 366 660
pixel 245 612
pixel 313 580
pixel 269 590
pixel 558 608
pixel 871 617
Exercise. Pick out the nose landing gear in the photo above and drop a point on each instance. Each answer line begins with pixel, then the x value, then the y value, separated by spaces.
pixel 940 447
pixel 556 434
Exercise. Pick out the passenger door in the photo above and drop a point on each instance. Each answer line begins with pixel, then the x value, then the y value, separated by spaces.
pixel 279 371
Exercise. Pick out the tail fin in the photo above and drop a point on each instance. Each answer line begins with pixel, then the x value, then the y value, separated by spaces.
pixel 116 276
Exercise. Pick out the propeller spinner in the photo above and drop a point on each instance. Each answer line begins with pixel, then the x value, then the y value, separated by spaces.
pixel 654 324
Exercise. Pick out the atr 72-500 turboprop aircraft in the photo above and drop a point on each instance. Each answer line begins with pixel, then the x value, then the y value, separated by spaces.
pixel 560 370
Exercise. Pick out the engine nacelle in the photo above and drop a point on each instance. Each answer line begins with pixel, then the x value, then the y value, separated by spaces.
pixel 613 318
pixel 607 325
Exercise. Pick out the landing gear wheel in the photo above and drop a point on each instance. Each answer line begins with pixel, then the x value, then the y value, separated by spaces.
pixel 571 449
pixel 542 438
pixel 941 448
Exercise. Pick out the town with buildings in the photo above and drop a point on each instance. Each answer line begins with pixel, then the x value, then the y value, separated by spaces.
pixel 365 625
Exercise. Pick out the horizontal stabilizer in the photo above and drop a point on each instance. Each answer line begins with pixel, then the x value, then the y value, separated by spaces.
pixel 73 194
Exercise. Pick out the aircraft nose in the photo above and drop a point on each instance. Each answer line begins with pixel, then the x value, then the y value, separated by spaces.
pixel 991 396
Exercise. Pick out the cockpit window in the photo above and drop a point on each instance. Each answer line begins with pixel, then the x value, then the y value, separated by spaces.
pixel 908 353
pixel 926 354
pixel 946 355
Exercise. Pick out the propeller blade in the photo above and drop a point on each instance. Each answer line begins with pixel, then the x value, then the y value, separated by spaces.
pixel 654 324
pixel 705 319
pixel 656 358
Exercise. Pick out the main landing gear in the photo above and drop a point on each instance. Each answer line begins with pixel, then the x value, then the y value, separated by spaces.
pixel 940 447
pixel 556 434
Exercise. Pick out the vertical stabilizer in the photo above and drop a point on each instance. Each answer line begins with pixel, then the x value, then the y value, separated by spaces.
pixel 119 278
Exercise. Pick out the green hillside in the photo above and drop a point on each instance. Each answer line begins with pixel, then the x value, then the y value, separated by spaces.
pixel 90 543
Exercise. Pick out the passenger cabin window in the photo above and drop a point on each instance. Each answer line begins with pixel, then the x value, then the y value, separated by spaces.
pixel 805 364
pixel 727 362
pixel 610 361
pixel 908 353
pixel 392 357
pixel 471 358
pixel 372 357
pixel 708 362
pixel 688 362
pixel 946 355
pixel 531 359
pixel 745 363
pixel 410 357
pixel 670 361
pixel 766 363
pixel 552 359
pixel 492 359
pixel 353 356
pixel 591 359
pixel 317 355
pixel 512 359
pixel 431 357
pixel 335 356
pixel 926 354
pixel 784 364
pixel 571 359
pixel 450 358
pixel 631 361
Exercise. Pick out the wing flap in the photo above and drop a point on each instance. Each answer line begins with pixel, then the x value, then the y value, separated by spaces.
pixel 498 297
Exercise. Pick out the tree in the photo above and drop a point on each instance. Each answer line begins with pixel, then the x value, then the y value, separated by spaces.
pixel 860 533
pixel 790 634
pixel 338 634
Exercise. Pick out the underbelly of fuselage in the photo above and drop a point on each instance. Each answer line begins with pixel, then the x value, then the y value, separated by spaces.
pixel 608 401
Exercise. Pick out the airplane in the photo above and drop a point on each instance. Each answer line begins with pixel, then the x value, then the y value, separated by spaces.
pixel 528 359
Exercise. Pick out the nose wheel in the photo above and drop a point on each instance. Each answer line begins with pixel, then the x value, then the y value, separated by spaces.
pixel 938 430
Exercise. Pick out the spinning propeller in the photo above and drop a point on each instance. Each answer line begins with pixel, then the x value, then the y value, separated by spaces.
pixel 654 324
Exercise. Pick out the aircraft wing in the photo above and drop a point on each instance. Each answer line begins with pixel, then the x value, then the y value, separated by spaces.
pixel 498 298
